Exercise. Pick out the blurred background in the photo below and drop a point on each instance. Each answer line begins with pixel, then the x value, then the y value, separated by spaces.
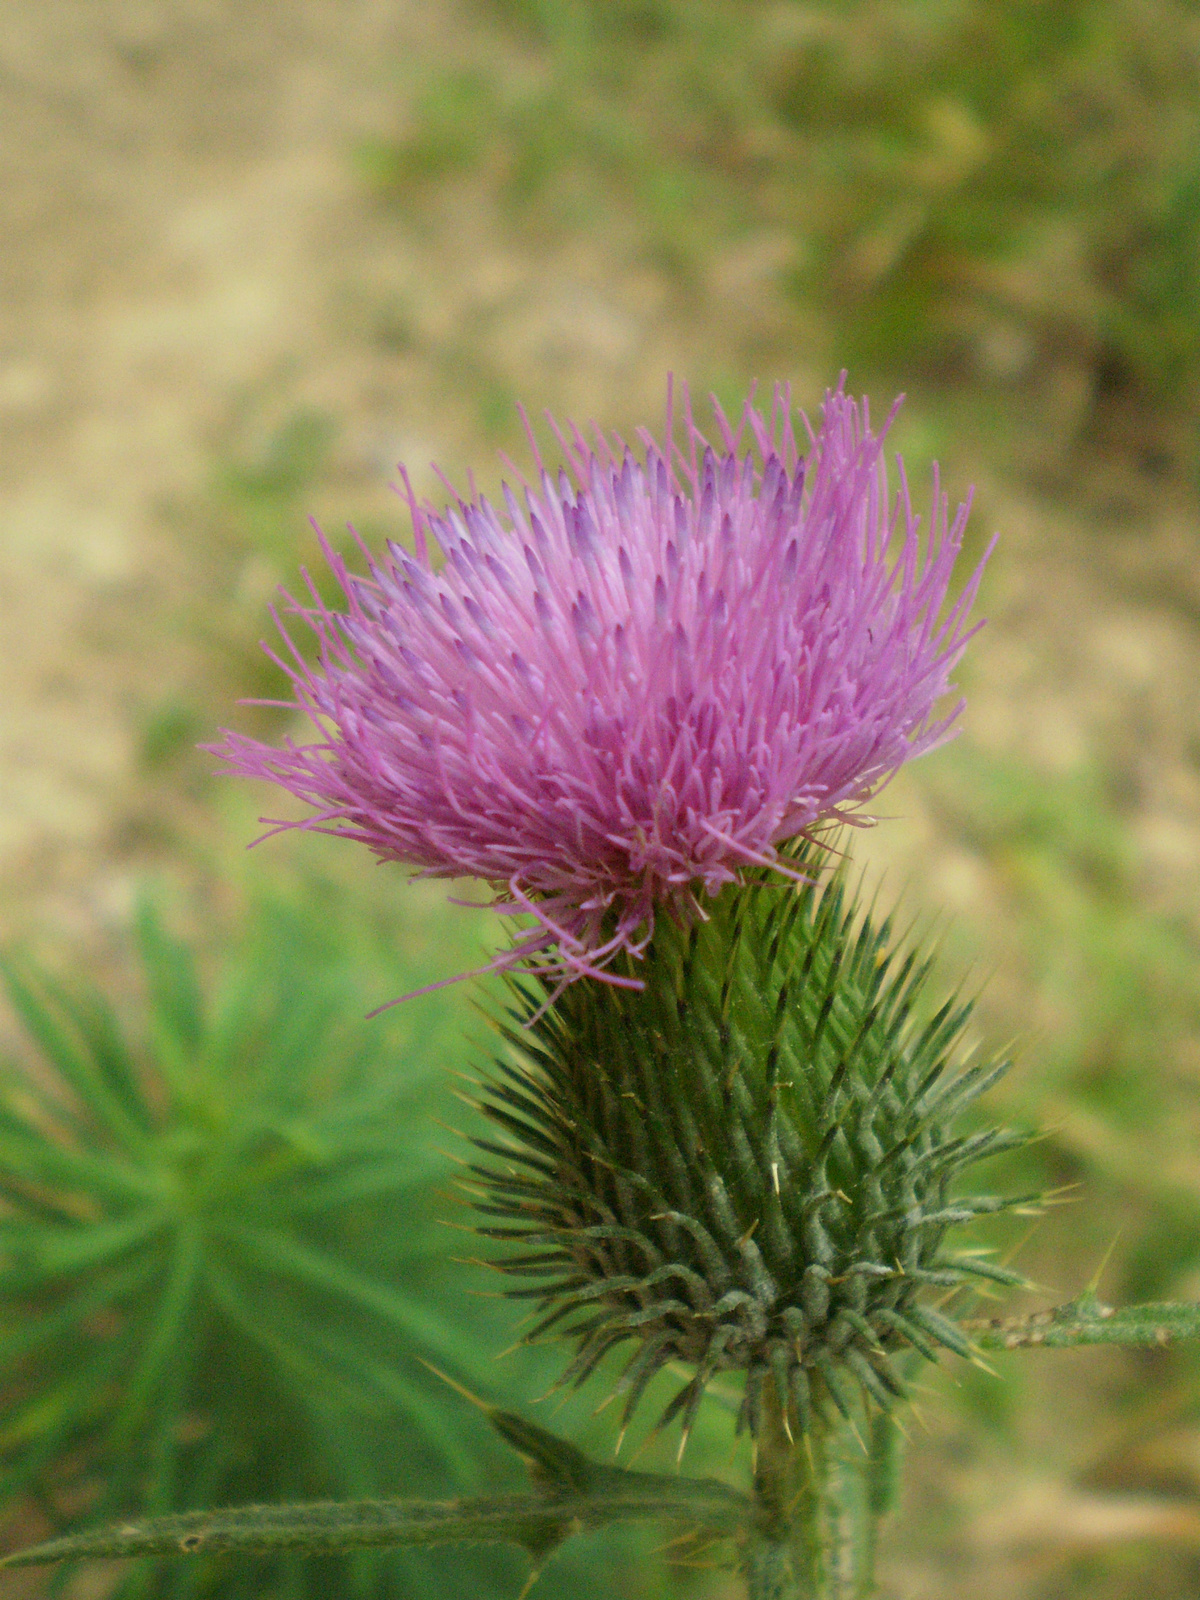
pixel 253 255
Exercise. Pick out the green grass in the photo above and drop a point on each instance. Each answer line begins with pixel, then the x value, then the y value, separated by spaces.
pixel 983 193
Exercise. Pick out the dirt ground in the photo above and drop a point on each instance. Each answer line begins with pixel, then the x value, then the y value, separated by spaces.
pixel 186 241
pixel 183 228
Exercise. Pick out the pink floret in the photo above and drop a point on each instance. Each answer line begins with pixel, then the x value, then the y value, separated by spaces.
pixel 637 679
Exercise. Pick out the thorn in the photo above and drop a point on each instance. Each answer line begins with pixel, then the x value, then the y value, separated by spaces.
pixel 509 1350
pixel 644 1446
pixel 459 1161
pixel 458 1388
pixel 921 1418
pixel 731 1455
pixel 671 1544
pixel 775 1176
pixel 1093 1284
pixel 683 1442
pixel 1064 1194
pixel 529 1583
pixel 448 1127
pixel 1010 1255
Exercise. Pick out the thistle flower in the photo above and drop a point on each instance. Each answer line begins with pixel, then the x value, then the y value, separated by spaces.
pixel 640 678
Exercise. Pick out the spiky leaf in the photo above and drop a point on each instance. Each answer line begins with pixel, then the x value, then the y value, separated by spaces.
pixel 572 1493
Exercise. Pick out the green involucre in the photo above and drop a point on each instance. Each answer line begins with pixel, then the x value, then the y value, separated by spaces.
pixel 751 1163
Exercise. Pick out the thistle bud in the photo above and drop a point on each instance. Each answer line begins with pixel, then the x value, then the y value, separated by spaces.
pixel 752 1163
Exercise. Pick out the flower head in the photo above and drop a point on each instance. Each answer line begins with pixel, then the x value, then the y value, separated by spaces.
pixel 640 677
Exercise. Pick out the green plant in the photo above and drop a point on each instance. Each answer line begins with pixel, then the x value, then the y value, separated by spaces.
pixel 820 1317
pixel 204 1291
pixel 1019 200
pixel 1014 209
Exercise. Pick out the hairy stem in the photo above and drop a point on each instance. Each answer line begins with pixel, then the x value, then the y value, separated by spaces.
pixel 780 1527
pixel 817 1507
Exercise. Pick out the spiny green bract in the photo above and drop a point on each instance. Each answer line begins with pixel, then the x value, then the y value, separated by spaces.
pixel 748 1164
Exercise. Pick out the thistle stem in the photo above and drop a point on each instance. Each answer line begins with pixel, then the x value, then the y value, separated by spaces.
pixel 817 1511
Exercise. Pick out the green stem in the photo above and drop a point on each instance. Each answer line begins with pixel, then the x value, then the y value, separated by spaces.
pixel 772 1547
pixel 817 1507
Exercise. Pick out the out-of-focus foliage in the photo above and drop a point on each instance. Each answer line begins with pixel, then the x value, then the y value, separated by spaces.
pixel 1109 998
pixel 256 516
pixel 219 1255
pixel 253 521
pixel 995 191
pixel 1008 185
pixel 1116 990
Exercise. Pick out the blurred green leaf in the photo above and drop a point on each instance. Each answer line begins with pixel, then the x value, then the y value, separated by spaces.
pixel 218 1253
pixel 1015 209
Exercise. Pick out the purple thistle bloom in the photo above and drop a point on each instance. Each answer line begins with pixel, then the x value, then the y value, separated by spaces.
pixel 638 679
